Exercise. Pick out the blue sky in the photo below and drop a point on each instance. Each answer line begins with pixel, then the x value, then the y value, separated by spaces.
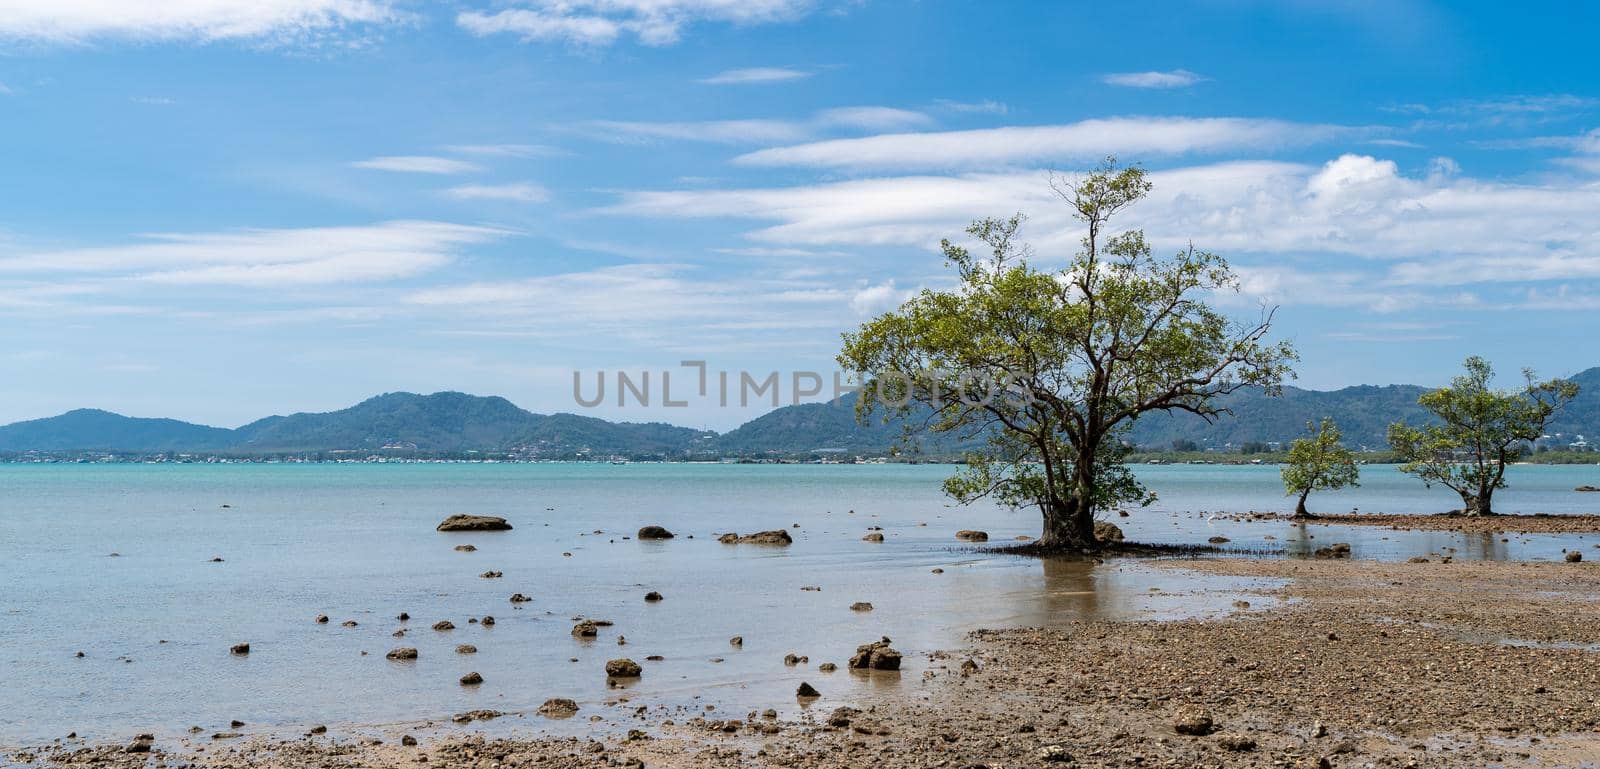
pixel 219 209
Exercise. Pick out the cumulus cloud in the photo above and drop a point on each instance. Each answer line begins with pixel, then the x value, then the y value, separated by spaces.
pixel 77 21
pixel 755 76
pixel 276 257
pixel 592 23
pixel 417 164
pixel 1010 145
pixel 1177 78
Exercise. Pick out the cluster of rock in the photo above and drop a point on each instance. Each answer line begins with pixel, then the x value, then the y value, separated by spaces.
pixel 876 656
pixel 774 537
pixel 972 535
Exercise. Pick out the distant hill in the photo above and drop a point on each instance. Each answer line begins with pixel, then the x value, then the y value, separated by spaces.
pixel 456 422
pixel 96 430
pixel 439 423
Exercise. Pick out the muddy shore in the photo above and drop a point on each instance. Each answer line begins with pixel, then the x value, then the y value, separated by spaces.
pixel 1491 524
pixel 1363 664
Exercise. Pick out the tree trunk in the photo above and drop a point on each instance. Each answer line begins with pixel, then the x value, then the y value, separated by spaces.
pixel 1068 525
pixel 1300 506
pixel 1478 504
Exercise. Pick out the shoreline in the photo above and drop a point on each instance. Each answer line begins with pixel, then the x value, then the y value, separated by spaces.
pixel 1427 665
pixel 1509 523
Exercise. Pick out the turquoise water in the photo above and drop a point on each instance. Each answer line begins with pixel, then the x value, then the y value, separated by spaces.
pixel 357 542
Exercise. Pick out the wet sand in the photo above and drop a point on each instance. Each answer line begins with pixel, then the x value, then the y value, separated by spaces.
pixel 1356 663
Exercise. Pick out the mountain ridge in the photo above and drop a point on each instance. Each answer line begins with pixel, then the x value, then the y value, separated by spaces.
pixel 456 422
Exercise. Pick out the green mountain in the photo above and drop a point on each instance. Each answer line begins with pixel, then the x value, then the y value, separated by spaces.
pixel 456 422
pixel 96 430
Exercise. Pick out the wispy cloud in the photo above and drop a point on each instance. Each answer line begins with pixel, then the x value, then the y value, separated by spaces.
pixel 82 21
pixel 520 192
pixel 275 257
pixel 989 147
pixel 505 150
pixel 1392 241
pixel 593 23
pixel 761 131
pixel 417 164
pixel 1177 78
pixel 153 101
pixel 755 76
pixel 983 107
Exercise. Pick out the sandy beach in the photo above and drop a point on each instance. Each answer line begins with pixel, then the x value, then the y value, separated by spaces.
pixel 1358 664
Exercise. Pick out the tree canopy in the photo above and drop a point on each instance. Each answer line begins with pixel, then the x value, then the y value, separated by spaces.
pixel 1480 431
pixel 1053 363
pixel 1318 461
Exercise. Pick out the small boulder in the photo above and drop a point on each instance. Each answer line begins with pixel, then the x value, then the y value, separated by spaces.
pixel 969 667
pixel 827 667
pixel 1192 720
pixel 466 548
pixel 876 656
pixel 737 640
pixel 141 744
pixel 1219 540
pixel 774 537
pixel 1587 488
pixel 558 707
pixel 408 741
pixel 876 536
pixel 807 691
pixel 519 598
pixel 465 649
pixel 654 532
pixel 322 619
pixel 443 625
pixel 474 523
pixel 585 629
pixel 1106 531
pixel 491 575
pixel 471 679
pixel 1237 743
pixel 861 606
pixel 402 653
pixel 652 596
pixel 487 621
pixel 623 668
pixel 1573 556
pixel 972 535
pixel 1335 550
pixel 1054 753
pixel 240 649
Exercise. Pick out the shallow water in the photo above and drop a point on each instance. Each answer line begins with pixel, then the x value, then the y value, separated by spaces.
pixel 357 542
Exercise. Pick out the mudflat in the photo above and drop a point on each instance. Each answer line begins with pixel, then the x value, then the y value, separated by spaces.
pixel 1365 663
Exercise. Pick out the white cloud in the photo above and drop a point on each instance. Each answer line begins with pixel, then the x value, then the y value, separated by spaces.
pixel 1132 137
pixel 878 298
pixel 505 150
pixel 78 21
pixel 760 131
pixel 314 255
pixel 1353 231
pixel 755 75
pixel 983 107
pixel 873 118
pixel 603 22
pixel 417 164
pixel 521 192
pixel 716 131
pixel 1177 78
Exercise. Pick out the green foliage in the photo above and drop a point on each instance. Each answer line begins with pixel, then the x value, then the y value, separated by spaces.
pixel 1481 430
pixel 1319 461
pixel 1051 366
